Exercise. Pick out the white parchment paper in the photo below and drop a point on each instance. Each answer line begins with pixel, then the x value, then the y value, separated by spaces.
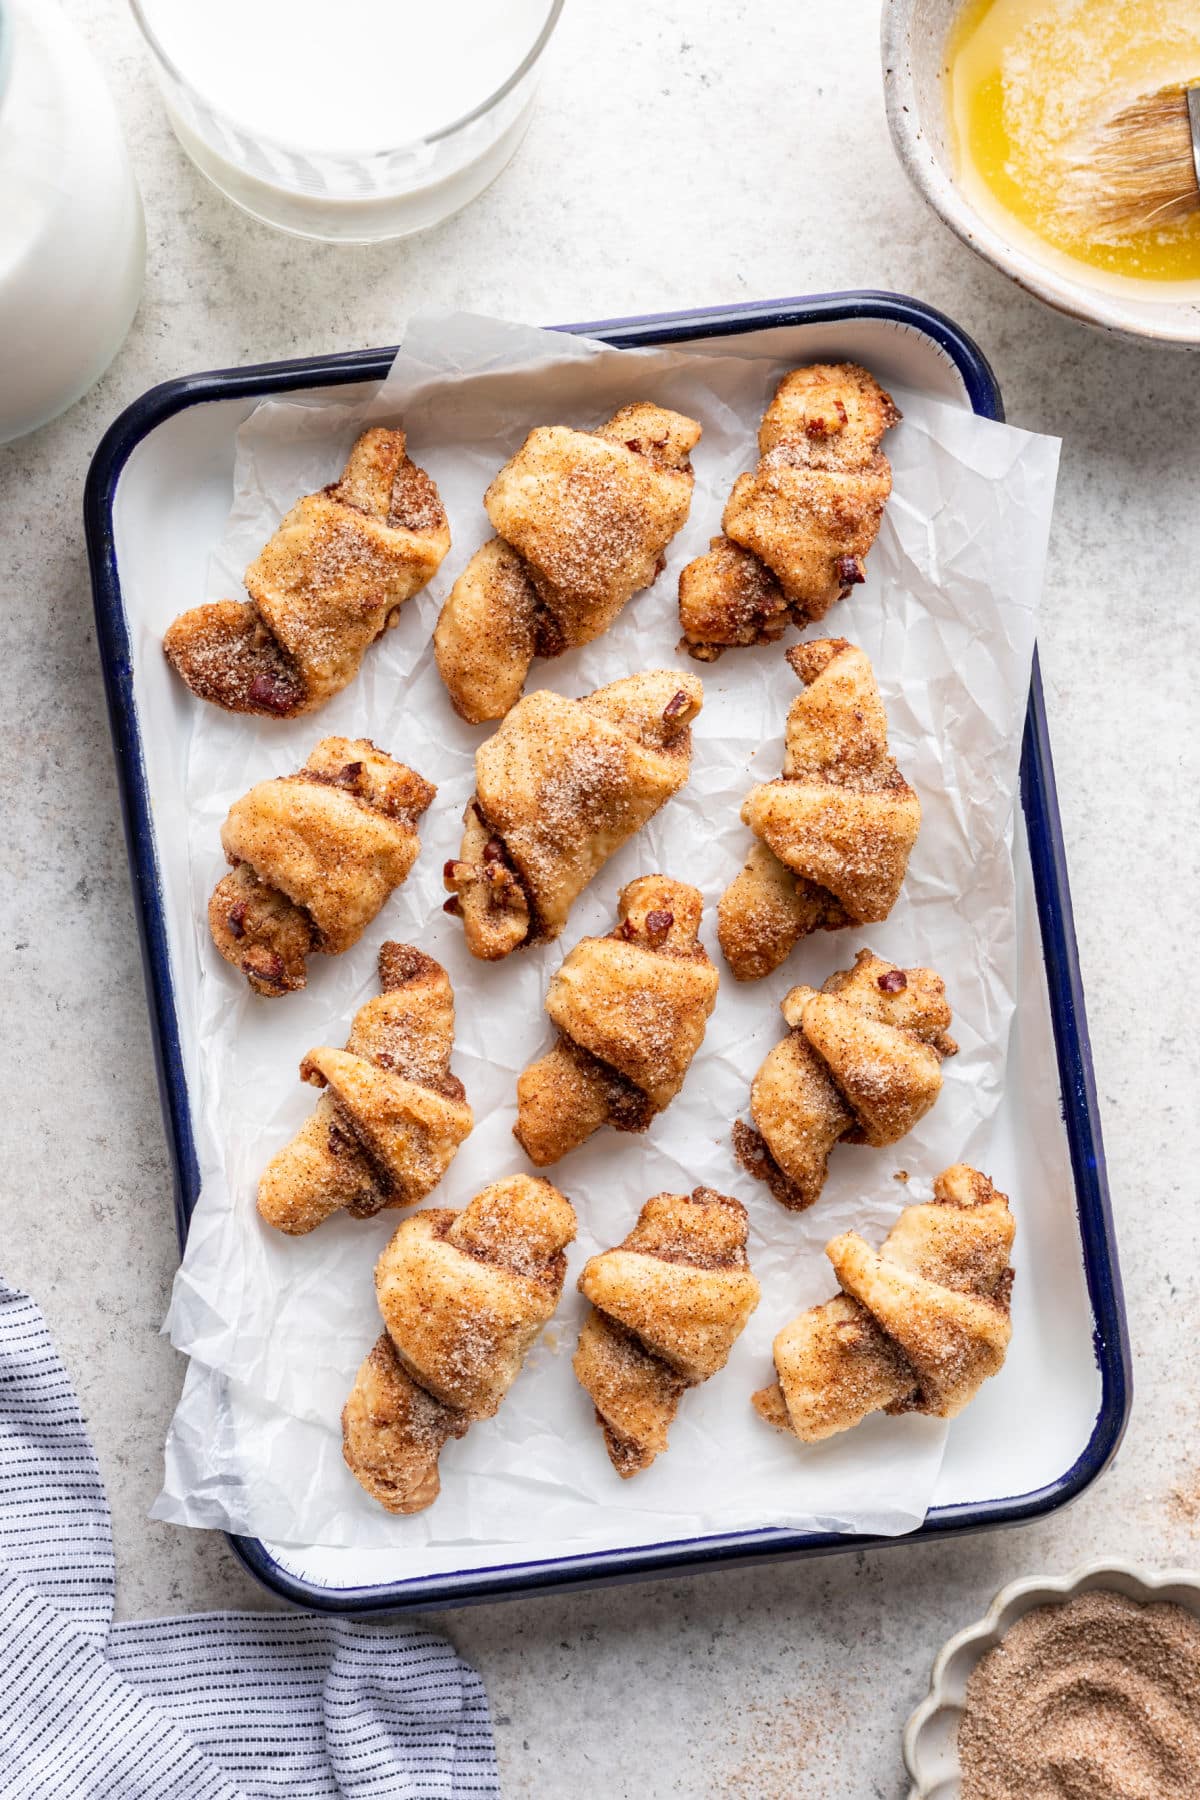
pixel 276 1326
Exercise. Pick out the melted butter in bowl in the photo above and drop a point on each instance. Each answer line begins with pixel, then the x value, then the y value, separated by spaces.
pixel 1096 1698
pixel 1027 83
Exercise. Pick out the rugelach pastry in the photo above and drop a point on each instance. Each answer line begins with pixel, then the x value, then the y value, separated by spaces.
pixel 583 520
pixel 314 856
pixel 331 580
pixel 631 1009
pixel 919 1326
pixel 391 1117
pixel 463 1296
pixel 668 1305
pixel 862 1062
pixel 558 788
pixel 834 832
pixel 796 530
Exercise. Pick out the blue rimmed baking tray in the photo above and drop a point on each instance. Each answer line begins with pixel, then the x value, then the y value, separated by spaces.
pixel 842 322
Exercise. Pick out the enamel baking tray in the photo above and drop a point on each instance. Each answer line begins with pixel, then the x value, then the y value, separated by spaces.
pixel 156 499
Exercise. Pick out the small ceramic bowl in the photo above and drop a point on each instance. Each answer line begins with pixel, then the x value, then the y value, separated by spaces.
pixel 914 36
pixel 931 1735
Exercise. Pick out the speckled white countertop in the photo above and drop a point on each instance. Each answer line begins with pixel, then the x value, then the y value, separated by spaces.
pixel 682 155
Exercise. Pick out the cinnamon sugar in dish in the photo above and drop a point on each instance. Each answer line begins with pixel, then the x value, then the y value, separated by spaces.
pixel 1094 1699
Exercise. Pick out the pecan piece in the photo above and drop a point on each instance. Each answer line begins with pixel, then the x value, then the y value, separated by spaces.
pixel 825 424
pixel 340 1142
pixel 272 693
pixel 349 775
pixel 265 967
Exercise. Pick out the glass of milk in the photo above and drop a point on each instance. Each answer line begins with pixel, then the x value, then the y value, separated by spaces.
pixel 353 120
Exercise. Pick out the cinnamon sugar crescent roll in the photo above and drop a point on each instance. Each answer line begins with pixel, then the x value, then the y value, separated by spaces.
pixel 835 831
pixel 583 519
pixel 862 1063
pixel 331 580
pixel 558 788
pixel 631 1009
pixel 668 1305
pixel 796 530
pixel 391 1116
pixel 920 1324
pixel 463 1296
pixel 314 855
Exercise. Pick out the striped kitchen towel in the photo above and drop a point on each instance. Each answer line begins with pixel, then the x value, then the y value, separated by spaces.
pixel 221 1706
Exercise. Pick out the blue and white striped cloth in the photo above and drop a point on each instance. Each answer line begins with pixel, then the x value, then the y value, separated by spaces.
pixel 221 1706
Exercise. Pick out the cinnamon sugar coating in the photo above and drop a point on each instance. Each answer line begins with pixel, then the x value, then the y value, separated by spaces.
pixel 727 596
pixel 314 856
pixel 558 788
pixel 391 1117
pixel 331 580
pixel 861 1064
pixel 919 1326
pixel 631 1009
pixel 463 1296
pixel 393 1432
pixel 668 1305
pixel 797 530
pixel 1092 1698
pixel 835 831
pixel 583 519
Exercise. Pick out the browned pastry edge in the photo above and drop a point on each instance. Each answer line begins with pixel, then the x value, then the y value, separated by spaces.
pixel 581 521
pixel 628 1108
pixel 627 1456
pixel 573 1088
pixel 225 651
pixel 507 889
pixel 226 655
pixel 391 1115
pixel 749 594
pixel 495 873
pixel 464 1294
pixel 261 932
pixel 259 929
pixel 917 1401
pixel 910 1349
pixel 750 1148
pixel 400 966
pixel 838 754
pixel 730 589
pixel 760 602
pixel 829 1113
pixel 393 1432
pixel 637 1383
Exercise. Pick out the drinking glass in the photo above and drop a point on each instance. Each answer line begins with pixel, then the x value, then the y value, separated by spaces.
pixel 231 112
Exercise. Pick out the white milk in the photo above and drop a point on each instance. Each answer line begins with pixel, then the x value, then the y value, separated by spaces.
pixel 345 76
pixel 72 245
pixel 316 114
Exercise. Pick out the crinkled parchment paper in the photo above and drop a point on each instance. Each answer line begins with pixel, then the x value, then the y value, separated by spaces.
pixel 275 1326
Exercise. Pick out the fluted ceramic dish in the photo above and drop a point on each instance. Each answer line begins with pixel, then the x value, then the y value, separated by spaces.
pixel 931 1735
pixel 913 43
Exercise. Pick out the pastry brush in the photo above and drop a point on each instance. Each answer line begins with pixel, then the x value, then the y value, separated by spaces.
pixel 1137 169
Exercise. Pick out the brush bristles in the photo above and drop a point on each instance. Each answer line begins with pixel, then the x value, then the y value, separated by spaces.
pixel 1134 172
